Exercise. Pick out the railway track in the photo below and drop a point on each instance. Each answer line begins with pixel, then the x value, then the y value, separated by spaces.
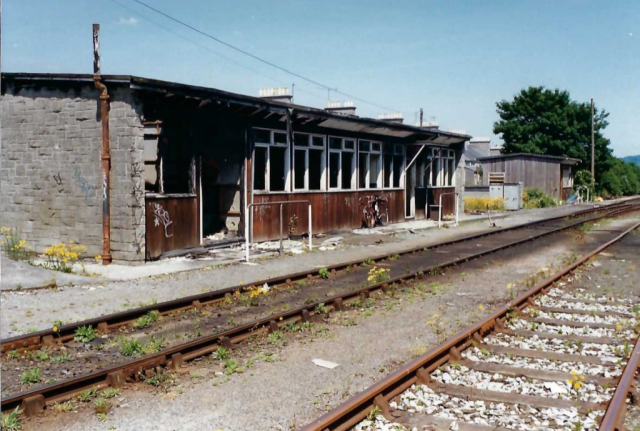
pixel 106 323
pixel 561 356
pixel 36 399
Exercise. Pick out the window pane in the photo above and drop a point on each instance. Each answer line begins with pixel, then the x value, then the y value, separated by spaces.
pixel 334 169
pixel 279 138
pixel 362 169
pixel 375 147
pixel 315 169
pixel 451 171
pixel 347 170
pixel 335 143
pixel 260 169
pixel 374 171
pixel 397 170
pixel 276 169
pixel 262 136
pixel 300 140
pixel 387 170
pixel 364 145
pixel 317 141
pixel 299 168
pixel 349 144
pixel 398 149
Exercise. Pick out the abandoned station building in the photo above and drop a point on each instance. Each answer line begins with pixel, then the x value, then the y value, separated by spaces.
pixel 186 162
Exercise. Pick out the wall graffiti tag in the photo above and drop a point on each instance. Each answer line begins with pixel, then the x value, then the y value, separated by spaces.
pixel 85 186
pixel 160 215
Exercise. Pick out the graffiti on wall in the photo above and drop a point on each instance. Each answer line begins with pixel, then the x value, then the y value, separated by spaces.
pixel 86 187
pixel 160 215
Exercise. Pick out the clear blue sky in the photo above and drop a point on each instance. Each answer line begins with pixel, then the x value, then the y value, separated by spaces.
pixel 454 59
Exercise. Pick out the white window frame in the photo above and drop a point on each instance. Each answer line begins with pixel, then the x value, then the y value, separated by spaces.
pixel 287 162
pixel 306 149
pixel 367 155
pixel 390 174
pixel 443 167
pixel 339 151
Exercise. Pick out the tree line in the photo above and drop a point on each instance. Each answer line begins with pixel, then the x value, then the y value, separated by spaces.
pixel 543 121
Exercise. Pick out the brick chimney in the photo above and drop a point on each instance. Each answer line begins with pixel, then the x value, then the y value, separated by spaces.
pixel 344 108
pixel 276 94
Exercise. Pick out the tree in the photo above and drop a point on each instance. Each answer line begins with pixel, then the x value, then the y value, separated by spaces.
pixel 543 121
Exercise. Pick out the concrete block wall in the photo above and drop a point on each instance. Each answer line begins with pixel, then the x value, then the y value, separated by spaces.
pixel 51 172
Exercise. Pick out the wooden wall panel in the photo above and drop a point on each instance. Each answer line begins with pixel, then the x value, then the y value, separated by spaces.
pixel 171 224
pixel 330 211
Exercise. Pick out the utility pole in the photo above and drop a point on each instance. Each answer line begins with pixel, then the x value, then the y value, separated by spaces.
pixel 593 146
pixel 421 113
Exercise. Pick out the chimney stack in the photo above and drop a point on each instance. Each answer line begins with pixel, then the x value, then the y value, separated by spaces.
pixel 394 117
pixel 277 94
pixel 344 108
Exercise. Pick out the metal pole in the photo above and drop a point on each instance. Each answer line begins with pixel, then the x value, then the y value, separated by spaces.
pixel 457 207
pixel 106 153
pixel 440 212
pixel 246 231
pixel 310 231
pixel 593 145
pixel 281 229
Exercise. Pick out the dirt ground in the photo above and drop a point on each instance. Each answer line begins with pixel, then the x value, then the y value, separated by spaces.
pixel 280 388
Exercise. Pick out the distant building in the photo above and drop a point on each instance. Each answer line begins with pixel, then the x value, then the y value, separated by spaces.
pixel 475 149
pixel 551 174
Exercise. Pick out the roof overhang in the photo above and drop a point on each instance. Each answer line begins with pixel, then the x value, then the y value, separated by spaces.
pixel 321 118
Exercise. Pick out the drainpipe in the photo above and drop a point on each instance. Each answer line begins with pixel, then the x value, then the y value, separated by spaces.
pixel 106 154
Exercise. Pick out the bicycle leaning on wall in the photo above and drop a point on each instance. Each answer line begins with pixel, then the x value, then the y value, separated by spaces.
pixel 375 212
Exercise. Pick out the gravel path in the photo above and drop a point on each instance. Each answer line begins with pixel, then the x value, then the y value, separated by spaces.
pixel 367 344
pixel 27 311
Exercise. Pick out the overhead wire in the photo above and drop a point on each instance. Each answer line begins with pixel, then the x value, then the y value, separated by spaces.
pixel 255 57
pixel 214 52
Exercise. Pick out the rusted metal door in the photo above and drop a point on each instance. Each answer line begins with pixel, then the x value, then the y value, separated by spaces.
pixel 171 223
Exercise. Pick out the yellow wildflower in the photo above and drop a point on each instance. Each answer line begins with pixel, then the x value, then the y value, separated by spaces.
pixel 55 329
pixel 480 307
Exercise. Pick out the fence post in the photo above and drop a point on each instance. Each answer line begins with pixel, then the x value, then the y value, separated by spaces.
pixel 246 231
pixel 310 227
pixel 280 229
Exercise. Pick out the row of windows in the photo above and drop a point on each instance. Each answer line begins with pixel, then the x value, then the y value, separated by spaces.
pixel 379 166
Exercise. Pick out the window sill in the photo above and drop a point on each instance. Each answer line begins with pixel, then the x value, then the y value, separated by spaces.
pixel 169 195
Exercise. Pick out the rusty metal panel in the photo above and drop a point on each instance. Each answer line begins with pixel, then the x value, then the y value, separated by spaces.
pixel 331 211
pixel 171 223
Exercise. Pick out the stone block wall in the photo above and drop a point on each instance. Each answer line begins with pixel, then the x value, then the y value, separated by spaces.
pixel 51 171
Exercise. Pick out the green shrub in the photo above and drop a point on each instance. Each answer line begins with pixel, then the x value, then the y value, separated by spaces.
pixel 481 204
pixel 536 198
pixel 85 334
pixel 131 348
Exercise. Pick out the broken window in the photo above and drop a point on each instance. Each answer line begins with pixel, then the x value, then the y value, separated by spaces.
pixel 393 165
pixel 260 168
pixel 270 161
pixel 444 168
pixel 308 163
pixel 341 163
pixel 370 164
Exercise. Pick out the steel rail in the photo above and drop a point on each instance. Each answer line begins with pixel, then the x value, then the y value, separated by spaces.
pixel 352 411
pixel 35 400
pixel 614 417
pixel 103 323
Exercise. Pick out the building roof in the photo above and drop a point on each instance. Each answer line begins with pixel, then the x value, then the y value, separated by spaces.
pixel 560 159
pixel 322 117
pixel 472 154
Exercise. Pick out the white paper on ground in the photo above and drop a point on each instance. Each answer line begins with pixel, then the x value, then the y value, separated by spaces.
pixel 325 364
